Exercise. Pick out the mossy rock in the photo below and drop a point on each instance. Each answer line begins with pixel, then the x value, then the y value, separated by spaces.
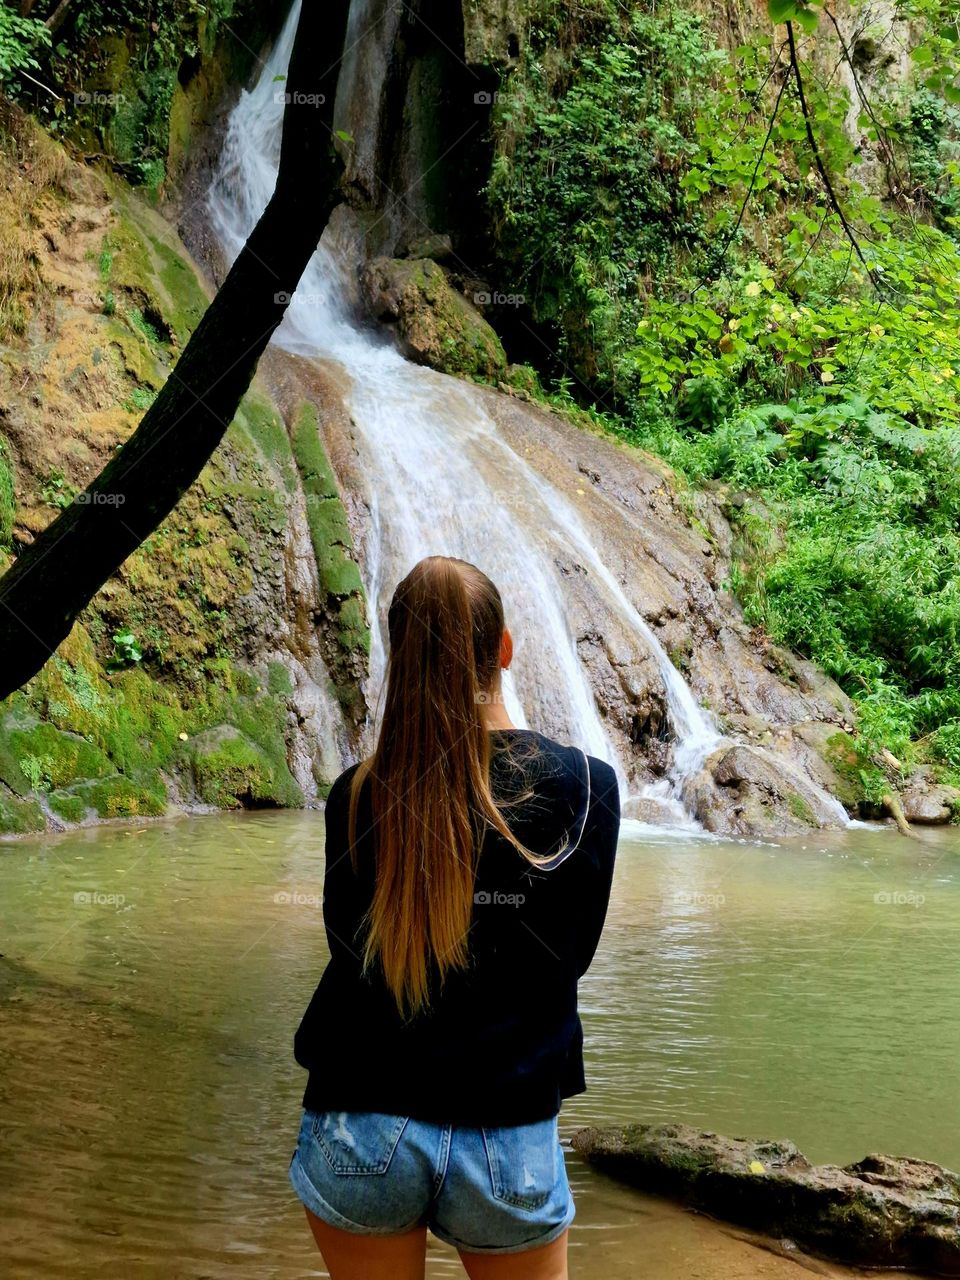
pixel 854 773
pixel 121 797
pixel 70 806
pixel 260 420
pixel 20 816
pixel 434 324
pixel 116 796
pixel 231 771
pixel 50 758
pixel 278 680
pixel 329 531
pixel 7 499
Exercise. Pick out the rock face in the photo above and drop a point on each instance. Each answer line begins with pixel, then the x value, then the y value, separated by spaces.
pixel 219 662
pixel 883 1211
pixel 433 323
pixel 742 790
pixel 928 802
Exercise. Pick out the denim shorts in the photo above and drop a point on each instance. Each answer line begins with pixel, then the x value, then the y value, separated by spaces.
pixel 482 1190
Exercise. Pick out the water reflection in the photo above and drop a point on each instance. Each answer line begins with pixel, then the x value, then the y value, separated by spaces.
pixel 152 978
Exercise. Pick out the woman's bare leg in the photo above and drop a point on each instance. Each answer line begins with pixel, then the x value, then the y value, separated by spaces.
pixel 349 1256
pixel 548 1263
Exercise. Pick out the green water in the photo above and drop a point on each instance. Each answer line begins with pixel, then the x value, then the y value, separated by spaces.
pixel 152 979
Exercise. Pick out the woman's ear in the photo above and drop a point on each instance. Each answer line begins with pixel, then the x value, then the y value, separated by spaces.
pixel 506 649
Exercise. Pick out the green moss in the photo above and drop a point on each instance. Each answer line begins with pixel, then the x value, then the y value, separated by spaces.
pixel 69 806
pixel 183 290
pixel 326 519
pixel 135 358
pixel 259 419
pixel 20 817
pixel 801 809
pixel 278 680
pixel 121 797
pixel 7 500
pixel 231 770
pixel 353 632
pixel 861 781
pixel 50 758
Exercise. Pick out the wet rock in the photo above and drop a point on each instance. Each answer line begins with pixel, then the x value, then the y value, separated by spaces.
pixel 653 810
pixel 929 802
pixel 438 247
pixel 432 323
pixel 883 1211
pixel 743 790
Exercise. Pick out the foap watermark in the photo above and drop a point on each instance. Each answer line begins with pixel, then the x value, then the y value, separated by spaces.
pixel 497 898
pixel 284 299
pixel 899 898
pixel 496 299
pixel 297 98
pixel 489 697
pixel 485 97
pixel 97 98
pixel 297 898
pixel 687 898
pixel 97 898
pixel 98 499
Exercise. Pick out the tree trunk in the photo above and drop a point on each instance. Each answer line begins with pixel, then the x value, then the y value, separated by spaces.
pixel 58 17
pixel 57 575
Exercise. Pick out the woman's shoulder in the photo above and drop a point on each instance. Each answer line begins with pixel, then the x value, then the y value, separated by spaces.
pixel 553 759
pixel 339 793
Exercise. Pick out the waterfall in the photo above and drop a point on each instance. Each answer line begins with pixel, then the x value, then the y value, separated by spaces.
pixel 443 479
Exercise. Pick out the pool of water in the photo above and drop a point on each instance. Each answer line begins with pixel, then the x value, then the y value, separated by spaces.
pixel 152 978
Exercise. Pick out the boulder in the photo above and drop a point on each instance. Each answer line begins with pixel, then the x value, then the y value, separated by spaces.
pixel 883 1211
pixel 432 323
pixel 929 802
pixel 742 790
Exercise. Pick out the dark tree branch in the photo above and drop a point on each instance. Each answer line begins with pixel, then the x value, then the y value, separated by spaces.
pixel 58 17
pixel 56 577
pixel 889 157
pixel 818 160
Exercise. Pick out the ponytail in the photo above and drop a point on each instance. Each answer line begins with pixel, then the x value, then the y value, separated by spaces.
pixel 429 775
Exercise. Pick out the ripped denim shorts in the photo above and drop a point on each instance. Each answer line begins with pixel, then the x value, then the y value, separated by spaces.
pixel 490 1190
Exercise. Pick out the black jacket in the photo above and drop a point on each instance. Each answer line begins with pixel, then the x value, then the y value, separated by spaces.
pixel 501 1042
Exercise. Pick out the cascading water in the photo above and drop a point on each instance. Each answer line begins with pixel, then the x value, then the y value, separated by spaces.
pixel 443 479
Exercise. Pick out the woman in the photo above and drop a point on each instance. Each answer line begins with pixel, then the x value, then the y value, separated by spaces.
pixel 468 870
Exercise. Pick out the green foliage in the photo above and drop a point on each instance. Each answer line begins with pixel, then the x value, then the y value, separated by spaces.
pixel 55 491
pixel 585 183
pixel 20 40
pixel 663 208
pixel 126 650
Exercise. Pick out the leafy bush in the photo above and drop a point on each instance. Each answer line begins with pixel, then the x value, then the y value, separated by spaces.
pixel 20 39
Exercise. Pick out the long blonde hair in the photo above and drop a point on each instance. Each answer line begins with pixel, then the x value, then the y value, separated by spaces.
pixel 429 775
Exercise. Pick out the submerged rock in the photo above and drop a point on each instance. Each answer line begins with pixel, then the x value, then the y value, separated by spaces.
pixel 883 1211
